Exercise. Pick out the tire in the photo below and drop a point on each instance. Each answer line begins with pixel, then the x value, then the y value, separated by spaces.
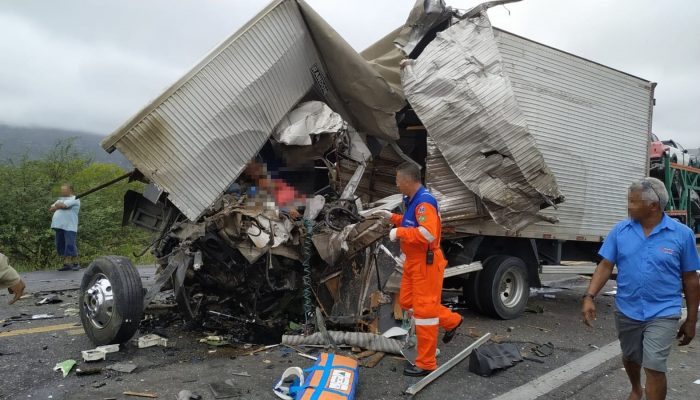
pixel 503 287
pixel 115 320
pixel 470 291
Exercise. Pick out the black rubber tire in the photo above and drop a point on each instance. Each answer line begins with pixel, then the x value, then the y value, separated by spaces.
pixel 128 300
pixel 470 291
pixel 489 287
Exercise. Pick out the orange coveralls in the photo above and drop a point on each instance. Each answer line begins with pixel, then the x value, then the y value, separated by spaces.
pixel 421 284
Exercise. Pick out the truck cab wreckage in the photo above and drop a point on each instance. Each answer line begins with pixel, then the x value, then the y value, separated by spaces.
pixel 446 91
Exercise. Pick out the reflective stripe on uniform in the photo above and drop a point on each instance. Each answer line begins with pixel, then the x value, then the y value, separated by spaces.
pixel 427 321
pixel 426 234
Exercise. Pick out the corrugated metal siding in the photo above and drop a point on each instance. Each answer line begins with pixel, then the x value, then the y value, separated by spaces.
pixel 591 124
pixel 458 90
pixel 457 203
pixel 196 138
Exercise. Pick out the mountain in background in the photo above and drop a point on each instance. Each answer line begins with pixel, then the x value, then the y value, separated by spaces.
pixel 16 142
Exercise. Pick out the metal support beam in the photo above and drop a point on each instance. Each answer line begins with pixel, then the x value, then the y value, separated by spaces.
pixel 447 366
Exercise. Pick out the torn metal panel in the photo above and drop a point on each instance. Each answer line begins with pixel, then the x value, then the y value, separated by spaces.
pixel 369 100
pixel 195 139
pixel 425 15
pixel 460 92
pixel 307 120
pixel 457 202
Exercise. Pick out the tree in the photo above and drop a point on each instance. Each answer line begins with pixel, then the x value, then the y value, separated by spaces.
pixel 30 187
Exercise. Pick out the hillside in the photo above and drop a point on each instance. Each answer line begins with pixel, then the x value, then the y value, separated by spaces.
pixel 16 142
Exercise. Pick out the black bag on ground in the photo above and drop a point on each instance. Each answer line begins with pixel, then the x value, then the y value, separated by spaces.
pixel 485 360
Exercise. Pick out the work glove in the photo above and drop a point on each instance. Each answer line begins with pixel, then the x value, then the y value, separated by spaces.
pixel 392 234
pixel 382 213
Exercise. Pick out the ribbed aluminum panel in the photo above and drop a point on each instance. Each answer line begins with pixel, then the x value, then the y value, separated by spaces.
pixel 196 138
pixel 591 124
pixel 457 203
pixel 459 91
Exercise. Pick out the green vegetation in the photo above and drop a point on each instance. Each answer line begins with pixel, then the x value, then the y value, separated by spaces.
pixel 29 187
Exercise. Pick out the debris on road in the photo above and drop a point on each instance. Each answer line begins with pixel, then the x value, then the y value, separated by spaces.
pixel 373 360
pixel 364 340
pixel 71 312
pixel 188 395
pixel 222 390
pixel 490 358
pixel 216 341
pixel 65 367
pixel 50 299
pixel 420 385
pixel 126 368
pixel 141 394
pixel 242 373
pixel 86 371
pixel 308 356
pixel 152 340
pixel 99 353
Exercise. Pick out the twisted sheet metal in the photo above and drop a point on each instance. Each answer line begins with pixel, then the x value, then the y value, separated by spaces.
pixel 364 340
pixel 459 90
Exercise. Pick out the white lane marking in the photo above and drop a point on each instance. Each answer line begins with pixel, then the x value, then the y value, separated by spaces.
pixel 552 380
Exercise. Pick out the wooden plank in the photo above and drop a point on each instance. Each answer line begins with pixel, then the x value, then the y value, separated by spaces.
pixel 374 360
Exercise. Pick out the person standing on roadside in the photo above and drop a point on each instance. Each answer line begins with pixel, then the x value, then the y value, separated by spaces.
pixel 656 262
pixel 65 223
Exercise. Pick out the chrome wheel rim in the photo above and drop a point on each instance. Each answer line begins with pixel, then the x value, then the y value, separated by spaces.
pixel 98 301
pixel 511 288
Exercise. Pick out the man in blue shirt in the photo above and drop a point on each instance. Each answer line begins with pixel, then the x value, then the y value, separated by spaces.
pixel 65 223
pixel 656 260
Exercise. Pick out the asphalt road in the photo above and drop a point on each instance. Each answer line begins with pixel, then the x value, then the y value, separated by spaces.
pixel 31 349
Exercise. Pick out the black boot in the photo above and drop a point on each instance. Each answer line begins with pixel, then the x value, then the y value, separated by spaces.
pixel 449 335
pixel 416 371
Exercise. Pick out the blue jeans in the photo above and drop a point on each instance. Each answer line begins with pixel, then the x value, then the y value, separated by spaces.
pixel 66 243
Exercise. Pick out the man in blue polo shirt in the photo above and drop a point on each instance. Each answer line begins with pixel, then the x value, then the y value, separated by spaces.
pixel 65 223
pixel 656 260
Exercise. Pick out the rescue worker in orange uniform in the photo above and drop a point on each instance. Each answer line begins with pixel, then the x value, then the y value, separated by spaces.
pixel 419 231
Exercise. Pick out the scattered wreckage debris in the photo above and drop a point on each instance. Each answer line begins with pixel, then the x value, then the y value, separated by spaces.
pixel 364 340
pixel 99 353
pixel 188 395
pixel 122 367
pixel 50 299
pixel 152 340
pixel 141 394
pixel 65 367
pixel 420 385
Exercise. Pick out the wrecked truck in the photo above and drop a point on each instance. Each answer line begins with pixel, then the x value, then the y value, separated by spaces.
pixel 508 133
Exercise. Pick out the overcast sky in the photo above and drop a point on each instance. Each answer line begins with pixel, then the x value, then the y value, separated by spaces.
pixel 91 64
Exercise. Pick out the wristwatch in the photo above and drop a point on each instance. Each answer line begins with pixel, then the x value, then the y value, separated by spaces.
pixel 588 295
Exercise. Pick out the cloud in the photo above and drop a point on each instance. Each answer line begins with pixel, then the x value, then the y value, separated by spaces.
pixel 57 82
pixel 90 65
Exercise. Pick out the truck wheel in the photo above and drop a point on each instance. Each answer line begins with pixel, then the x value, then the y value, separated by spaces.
pixel 111 300
pixel 504 288
pixel 470 291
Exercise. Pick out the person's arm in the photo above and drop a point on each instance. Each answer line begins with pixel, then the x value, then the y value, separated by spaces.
pixel 427 231
pixel 396 219
pixel 10 279
pixel 600 277
pixel 691 288
pixel 690 263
